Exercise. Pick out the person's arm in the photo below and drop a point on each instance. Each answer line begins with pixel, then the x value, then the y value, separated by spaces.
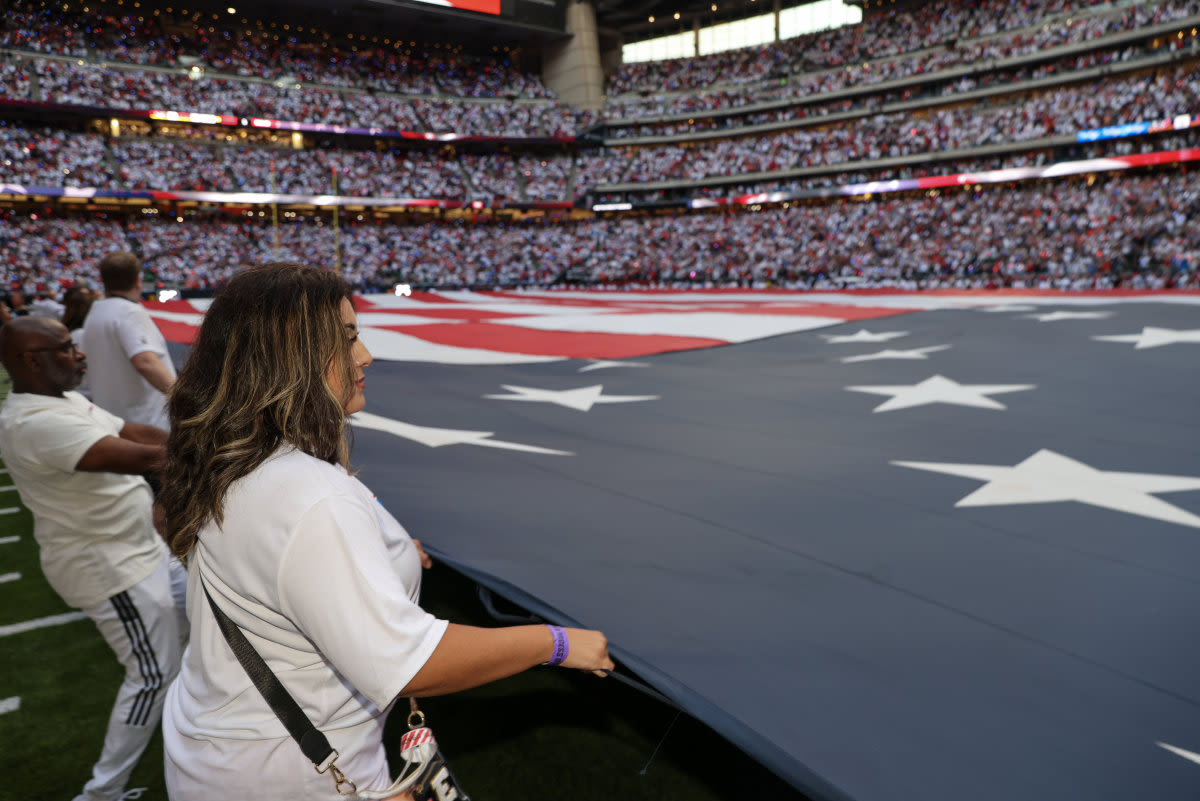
pixel 153 370
pixel 118 455
pixel 469 657
pixel 146 435
pixel 365 622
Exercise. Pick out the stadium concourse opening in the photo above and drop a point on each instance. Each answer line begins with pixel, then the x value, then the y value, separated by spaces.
pixel 836 377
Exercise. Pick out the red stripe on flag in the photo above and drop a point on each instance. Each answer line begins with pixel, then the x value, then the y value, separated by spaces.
pixel 432 297
pixel 565 344
pixel 362 304
pixel 178 306
pixel 181 333
pixel 445 313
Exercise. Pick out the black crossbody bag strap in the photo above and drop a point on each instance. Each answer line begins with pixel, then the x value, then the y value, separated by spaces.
pixel 312 742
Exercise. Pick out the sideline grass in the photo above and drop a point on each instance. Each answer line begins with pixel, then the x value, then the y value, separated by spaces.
pixel 547 734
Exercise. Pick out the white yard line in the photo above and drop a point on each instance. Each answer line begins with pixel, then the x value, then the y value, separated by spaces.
pixel 41 623
pixel 9 488
pixel 7 577
pixel 10 704
pixel 9 540
pixel 11 510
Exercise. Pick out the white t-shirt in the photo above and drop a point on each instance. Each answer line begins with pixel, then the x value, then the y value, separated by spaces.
pixel 324 583
pixel 116 330
pixel 95 530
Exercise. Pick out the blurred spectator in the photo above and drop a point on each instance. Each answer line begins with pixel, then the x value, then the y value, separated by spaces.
pixel 77 302
pixel 45 305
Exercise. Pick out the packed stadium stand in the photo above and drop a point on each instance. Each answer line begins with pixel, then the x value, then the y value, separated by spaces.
pixel 1047 143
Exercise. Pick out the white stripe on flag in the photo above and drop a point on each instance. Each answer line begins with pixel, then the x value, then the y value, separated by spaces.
pixel 41 623
pixel 10 704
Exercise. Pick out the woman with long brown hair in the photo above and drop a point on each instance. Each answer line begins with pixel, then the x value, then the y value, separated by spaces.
pixel 297 552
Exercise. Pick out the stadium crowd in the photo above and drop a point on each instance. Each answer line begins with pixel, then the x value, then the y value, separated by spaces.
pixel 828 182
pixel 819 103
pixel 303 80
pixel 1062 110
pixel 273 52
pixel 50 157
pixel 1064 232
pixel 980 32
pixel 1067 229
pixel 319 82
pixel 83 84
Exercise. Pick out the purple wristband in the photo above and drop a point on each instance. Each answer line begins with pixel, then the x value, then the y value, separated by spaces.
pixel 562 646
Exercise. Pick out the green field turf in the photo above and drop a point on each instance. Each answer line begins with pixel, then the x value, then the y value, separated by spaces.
pixel 546 734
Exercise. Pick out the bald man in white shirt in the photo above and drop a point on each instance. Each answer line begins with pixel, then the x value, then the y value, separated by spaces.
pixel 79 471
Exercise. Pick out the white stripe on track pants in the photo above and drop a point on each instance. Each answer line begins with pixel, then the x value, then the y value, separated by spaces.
pixel 146 626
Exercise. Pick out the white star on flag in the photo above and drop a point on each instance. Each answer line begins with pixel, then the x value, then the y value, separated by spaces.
pixel 940 389
pixel 605 364
pixel 1049 477
pixel 1006 308
pixel 437 437
pixel 863 335
pixel 1152 337
pixel 1190 755
pixel 915 353
pixel 582 399
pixel 1054 317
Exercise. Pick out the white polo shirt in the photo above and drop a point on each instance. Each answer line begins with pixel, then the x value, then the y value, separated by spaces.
pixel 95 530
pixel 116 330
